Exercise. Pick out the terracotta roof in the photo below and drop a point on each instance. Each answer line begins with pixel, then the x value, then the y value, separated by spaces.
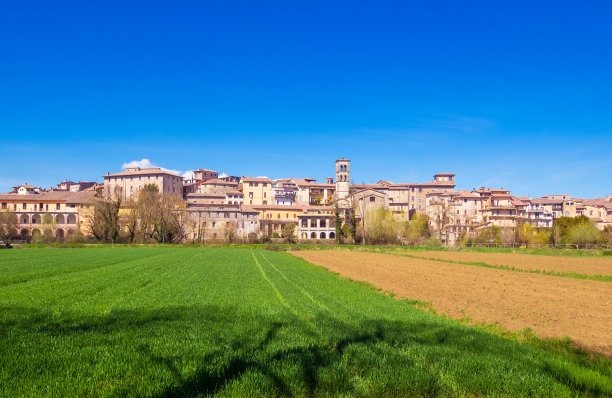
pixel 277 207
pixel 205 170
pixel 544 201
pixel 218 181
pixel 205 195
pixel 153 170
pixel 61 196
pixel 234 192
pixel 444 174
pixel 256 179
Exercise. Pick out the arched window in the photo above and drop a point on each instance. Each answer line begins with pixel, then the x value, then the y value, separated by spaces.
pixel 323 235
pixel 313 235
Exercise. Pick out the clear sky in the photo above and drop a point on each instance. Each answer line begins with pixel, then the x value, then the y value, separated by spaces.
pixel 515 95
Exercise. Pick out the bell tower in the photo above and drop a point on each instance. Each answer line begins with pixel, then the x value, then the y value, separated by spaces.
pixel 343 167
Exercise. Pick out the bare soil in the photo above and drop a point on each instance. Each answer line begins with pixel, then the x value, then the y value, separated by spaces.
pixel 552 306
pixel 586 266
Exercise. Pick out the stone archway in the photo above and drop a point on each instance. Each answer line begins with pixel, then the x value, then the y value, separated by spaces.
pixel 332 235
pixel 71 219
pixel 36 235
pixel 24 219
pixel 60 219
pixel 323 236
pixel 24 234
pixel 313 235
pixel 59 233
pixel 36 219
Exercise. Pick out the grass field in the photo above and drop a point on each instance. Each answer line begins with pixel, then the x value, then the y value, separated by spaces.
pixel 195 322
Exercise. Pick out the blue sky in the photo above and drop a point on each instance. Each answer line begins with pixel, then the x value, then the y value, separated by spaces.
pixel 515 95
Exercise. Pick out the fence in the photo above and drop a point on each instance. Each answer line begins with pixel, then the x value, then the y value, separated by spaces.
pixel 541 246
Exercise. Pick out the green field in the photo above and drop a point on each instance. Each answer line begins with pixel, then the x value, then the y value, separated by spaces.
pixel 196 322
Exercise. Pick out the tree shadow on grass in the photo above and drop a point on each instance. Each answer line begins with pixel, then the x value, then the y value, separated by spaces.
pixel 228 345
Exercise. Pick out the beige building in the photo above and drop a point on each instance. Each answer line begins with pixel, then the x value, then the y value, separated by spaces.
pixel 317 222
pixel 204 174
pixel 256 191
pixel 216 186
pixel 60 213
pixel 220 222
pixel 131 181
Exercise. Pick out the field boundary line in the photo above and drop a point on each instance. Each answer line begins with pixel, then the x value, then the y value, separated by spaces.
pixel 276 291
pixel 571 275
pixel 302 290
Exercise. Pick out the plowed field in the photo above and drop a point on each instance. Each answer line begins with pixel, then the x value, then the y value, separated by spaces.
pixel 586 266
pixel 552 306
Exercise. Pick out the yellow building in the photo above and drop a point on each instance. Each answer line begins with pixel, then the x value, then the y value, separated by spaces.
pixel 60 212
pixel 256 190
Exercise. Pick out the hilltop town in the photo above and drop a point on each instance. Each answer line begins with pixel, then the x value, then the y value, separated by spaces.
pixel 251 207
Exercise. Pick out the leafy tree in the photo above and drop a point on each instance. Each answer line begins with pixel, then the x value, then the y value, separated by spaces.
pixel 417 230
pixel 338 220
pixel 8 227
pixel 562 227
pixel 352 224
pixel 584 233
pixel 288 232
pixel 382 226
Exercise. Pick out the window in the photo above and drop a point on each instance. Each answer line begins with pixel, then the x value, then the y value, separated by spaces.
pixel 250 194
pixel 420 189
pixel 46 207
pixel 25 206
pixel 214 224
pixel 420 207
pixel 256 184
pixel 412 199
pixel 287 215
pixel 420 199
pixel 265 202
pixel 250 184
pixel 264 194
pixel 265 184
pixel 3 206
pixel 372 199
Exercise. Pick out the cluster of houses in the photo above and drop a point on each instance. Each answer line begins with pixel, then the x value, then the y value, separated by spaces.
pixel 255 206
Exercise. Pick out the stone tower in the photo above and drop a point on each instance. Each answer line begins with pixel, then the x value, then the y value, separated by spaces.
pixel 343 167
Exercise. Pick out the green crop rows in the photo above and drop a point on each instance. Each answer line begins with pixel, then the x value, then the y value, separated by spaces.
pixel 197 322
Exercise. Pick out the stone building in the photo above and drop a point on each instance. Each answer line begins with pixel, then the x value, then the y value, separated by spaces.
pixel 131 181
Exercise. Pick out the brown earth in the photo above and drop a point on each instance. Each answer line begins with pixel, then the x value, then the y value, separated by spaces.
pixel 586 266
pixel 552 306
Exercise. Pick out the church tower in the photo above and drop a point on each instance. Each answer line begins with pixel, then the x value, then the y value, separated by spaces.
pixel 343 167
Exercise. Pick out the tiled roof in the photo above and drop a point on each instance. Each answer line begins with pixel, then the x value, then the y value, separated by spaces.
pixel 60 196
pixel 149 171
pixel 256 179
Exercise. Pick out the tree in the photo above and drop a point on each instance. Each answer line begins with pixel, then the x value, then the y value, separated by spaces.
pixel 584 233
pixel 562 227
pixel 353 223
pixel 417 231
pixel 440 218
pixel 382 226
pixel 104 220
pixel 288 232
pixel 338 221
pixel 8 227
